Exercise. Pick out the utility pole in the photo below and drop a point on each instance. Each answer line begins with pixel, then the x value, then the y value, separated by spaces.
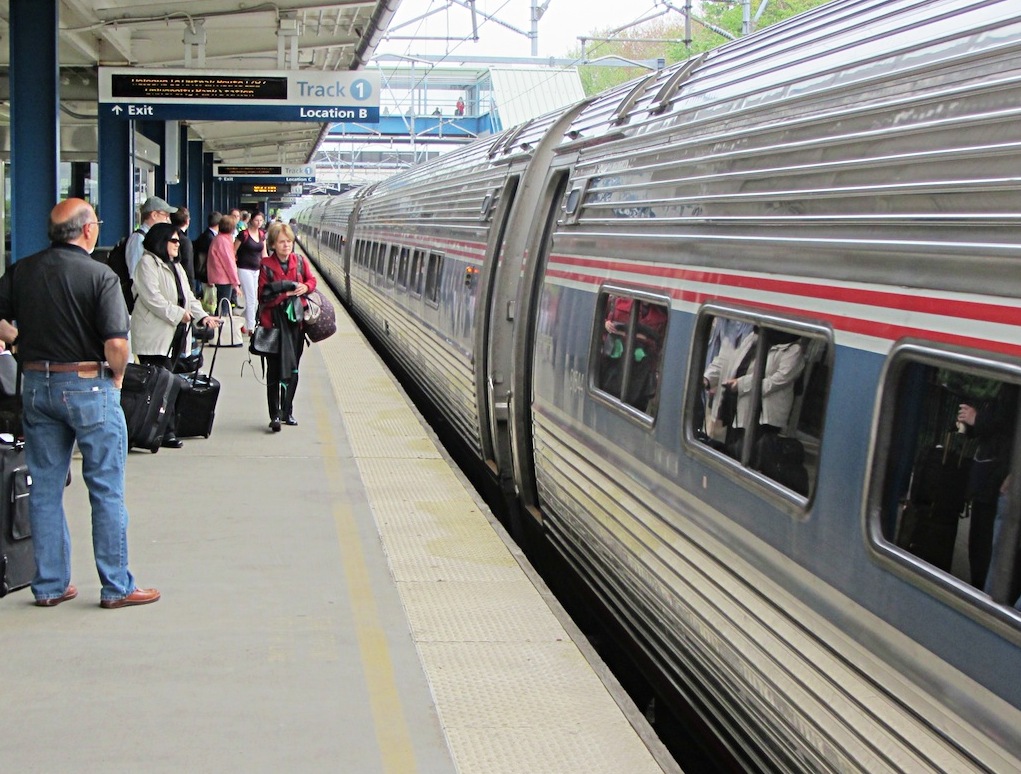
pixel 537 12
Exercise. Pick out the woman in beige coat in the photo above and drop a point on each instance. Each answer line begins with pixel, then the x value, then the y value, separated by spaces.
pixel 164 301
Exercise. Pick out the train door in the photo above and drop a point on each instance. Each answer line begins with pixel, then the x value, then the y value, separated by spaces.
pixel 494 335
pixel 527 305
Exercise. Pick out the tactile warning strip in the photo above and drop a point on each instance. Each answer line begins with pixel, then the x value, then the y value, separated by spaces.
pixel 513 691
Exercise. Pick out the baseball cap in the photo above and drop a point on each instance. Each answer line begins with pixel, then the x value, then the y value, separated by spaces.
pixel 156 204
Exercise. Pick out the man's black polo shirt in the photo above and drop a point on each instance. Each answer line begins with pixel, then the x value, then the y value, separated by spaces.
pixel 65 303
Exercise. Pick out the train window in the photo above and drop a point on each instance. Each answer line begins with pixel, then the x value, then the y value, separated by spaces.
pixel 391 265
pixel 629 334
pixel 415 276
pixel 760 390
pixel 432 279
pixel 402 268
pixel 942 488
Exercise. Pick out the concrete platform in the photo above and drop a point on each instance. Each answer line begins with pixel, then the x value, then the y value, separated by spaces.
pixel 334 599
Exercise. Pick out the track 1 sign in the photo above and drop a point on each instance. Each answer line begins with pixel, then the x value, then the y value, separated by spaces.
pixel 266 173
pixel 287 95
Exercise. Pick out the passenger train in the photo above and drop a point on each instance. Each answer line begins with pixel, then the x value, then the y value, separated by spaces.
pixel 743 339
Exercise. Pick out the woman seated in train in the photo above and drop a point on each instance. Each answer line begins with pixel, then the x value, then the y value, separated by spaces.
pixel 165 307
pixel 649 329
pixel 618 315
pixel 643 386
pixel 729 379
pixel 284 280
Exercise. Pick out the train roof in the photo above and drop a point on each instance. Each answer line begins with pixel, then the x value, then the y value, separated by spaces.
pixel 808 62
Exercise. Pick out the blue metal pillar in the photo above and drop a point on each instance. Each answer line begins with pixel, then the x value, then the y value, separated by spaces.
pixel 35 122
pixel 208 188
pixel 196 190
pixel 116 177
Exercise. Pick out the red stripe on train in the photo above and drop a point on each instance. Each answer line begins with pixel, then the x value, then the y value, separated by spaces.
pixel 856 325
pixel 968 310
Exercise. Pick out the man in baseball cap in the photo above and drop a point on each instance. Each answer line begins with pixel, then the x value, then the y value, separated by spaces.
pixel 154 210
pixel 156 204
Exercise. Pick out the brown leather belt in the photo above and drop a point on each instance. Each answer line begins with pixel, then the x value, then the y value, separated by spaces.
pixel 84 368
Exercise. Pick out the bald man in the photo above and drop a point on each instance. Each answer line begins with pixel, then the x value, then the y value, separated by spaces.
pixel 72 342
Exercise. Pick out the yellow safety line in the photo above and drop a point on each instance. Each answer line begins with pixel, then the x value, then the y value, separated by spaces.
pixel 391 728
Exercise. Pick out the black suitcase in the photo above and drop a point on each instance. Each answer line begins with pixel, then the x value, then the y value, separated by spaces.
pixel 933 511
pixel 148 395
pixel 196 405
pixel 17 561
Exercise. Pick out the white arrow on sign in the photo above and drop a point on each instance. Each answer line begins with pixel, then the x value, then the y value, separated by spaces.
pixel 117 109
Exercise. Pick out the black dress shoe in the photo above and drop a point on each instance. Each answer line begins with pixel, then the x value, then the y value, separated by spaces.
pixel 291 420
pixel 274 424
pixel 172 442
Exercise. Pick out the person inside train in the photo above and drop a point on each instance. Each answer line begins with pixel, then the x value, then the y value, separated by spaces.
pixel 165 307
pixel 284 280
pixel 949 469
pixel 729 343
pixel 990 419
pixel 730 380
pixel 645 340
pixel 643 386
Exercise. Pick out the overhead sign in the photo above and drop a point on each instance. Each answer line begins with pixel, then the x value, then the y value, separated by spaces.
pixel 282 173
pixel 281 95
pixel 266 189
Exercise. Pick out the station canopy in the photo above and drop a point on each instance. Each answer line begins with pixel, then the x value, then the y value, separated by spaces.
pixel 209 35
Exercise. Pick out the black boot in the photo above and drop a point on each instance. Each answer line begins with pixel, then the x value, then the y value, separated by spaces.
pixel 274 424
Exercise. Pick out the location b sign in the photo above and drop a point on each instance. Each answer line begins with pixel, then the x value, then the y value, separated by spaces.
pixel 300 95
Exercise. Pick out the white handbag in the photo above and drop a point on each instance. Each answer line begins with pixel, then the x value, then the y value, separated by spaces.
pixel 231 325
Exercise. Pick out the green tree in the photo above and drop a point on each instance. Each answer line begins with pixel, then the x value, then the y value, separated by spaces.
pixel 630 46
pixel 726 15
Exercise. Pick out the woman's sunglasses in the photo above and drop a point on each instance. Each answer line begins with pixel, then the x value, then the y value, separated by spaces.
pixel 175 241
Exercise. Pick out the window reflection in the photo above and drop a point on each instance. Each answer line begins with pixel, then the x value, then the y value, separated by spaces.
pixel 762 398
pixel 630 349
pixel 948 477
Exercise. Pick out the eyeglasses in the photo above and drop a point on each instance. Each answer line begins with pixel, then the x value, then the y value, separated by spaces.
pixel 175 241
pixel 94 223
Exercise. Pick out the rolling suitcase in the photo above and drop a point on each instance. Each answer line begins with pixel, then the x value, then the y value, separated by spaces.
pixel 17 561
pixel 147 398
pixel 196 405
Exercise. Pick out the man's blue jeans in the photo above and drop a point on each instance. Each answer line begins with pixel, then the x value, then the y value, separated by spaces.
pixel 59 409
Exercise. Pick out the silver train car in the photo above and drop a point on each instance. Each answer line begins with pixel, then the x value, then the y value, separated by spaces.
pixel 743 337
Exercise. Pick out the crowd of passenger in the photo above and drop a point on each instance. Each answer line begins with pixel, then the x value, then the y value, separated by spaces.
pixel 235 266
pixel 74 325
